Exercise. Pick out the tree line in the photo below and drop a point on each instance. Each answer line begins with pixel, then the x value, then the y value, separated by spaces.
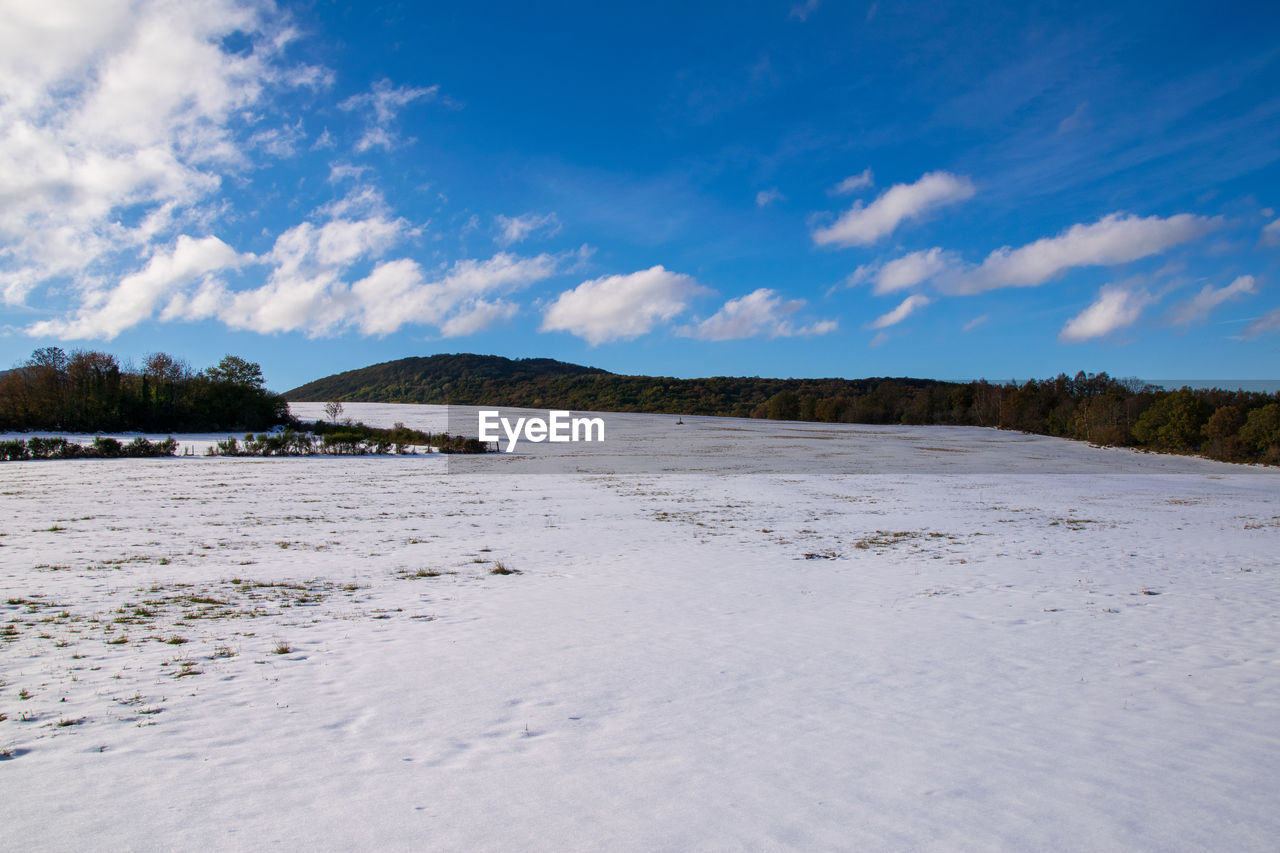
pixel 89 391
pixel 1235 426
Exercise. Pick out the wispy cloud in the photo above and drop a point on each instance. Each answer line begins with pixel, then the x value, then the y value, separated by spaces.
pixel 1114 239
pixel 1270 234
pixel 904 310
pixel 1198 308
pixel 802 10
pixel 380 105
pixel 1268 322
pixel 279 141
pixel 853 183
pixel 864 225
pixel 1078 120
pixel 761 313
pixel 764 198
pixel 516 229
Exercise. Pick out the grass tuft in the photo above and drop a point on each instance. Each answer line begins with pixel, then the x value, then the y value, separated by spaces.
pixel 420 573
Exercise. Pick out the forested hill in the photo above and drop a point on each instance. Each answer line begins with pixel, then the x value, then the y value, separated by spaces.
pixel 1230 425
pixel 465 379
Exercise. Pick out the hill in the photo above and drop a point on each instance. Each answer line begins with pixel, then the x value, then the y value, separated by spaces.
pixel 1231 425
pixel 465 379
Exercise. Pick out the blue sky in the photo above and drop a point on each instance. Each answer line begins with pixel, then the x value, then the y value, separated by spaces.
pixel 801 188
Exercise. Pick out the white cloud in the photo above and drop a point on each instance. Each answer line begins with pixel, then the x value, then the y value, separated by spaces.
pixel 853 183
pixel 121 111
pixel 1115 308
pixel 200 304
pixel 308 284
pixel 974 323
pixel 904 310
pixel 105 313
pixel 1268 322
pixel 761 313
pixel 620 307
pixel 120 121
pixel 335 244
pixel 381 104
pixel 514 229
pixel 764 198
pixel 392 294
pixel 307 292
pixel 863 225
pixel 1114 239
pixel 910 270
pixel 1199 307
pixel 502 273
pixel 1270 234
pixel 477 317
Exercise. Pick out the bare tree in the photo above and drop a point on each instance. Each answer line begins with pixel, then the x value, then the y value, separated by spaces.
pixel 333 411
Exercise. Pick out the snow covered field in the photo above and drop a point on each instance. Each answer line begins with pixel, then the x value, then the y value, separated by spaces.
pixel 722 635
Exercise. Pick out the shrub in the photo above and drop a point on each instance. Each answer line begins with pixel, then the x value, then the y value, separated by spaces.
pixel 141 448
pixel 341 443
pixel 54 448
pixel 14 451
pixel 227 447
pixel 461 444
pixel 107 448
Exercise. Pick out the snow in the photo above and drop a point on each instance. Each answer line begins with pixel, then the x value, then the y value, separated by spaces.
pixel 724 635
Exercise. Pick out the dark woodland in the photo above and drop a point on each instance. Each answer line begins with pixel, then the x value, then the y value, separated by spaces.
pixel 89 391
